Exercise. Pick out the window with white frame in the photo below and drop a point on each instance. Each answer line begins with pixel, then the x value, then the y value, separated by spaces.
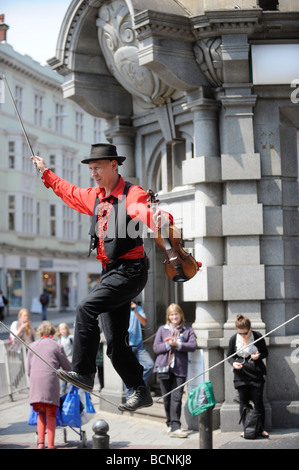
pixel 38 109
pixel 68 223
pixel 79 126
pixel 97 130
pixel 19 99
pixel 27 215
pixel 59 115
pixel 52 163
pixel 52 220
pixel 68 168
pixel 11 212
pixel 11 154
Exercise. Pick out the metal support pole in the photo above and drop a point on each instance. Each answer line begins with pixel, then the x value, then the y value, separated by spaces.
pixel 206 429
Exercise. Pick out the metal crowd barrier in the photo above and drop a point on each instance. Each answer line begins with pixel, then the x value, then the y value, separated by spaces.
pixel 13 377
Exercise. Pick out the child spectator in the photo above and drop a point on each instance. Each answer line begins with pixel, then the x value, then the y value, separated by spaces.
pixel 44 383
pixel 66 340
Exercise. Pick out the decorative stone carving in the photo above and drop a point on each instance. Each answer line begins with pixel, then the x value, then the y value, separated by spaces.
pixel 119 45
pixel 209 58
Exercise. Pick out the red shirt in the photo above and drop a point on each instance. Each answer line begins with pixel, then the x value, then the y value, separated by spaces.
pixel 83 200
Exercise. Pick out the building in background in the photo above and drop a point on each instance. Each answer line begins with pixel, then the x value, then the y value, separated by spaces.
pixel 43 243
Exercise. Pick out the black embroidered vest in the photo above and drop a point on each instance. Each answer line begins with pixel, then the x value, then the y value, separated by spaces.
pixel 121 232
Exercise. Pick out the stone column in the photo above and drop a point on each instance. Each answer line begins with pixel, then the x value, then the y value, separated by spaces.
pixel 242 215
pixel 122 135
pixel 205 288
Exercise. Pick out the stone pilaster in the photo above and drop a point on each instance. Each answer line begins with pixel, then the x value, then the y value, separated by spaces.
pixel 204 171
pixel 122 135
pixel 242 215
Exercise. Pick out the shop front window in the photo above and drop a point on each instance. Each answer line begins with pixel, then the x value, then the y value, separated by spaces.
pixel 49 283
pixel 14 288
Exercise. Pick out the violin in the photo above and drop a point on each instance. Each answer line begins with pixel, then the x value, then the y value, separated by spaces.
pixel 180 266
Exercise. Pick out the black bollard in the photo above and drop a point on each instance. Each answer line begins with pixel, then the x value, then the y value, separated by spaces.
pixel 100 439
pixel 206 429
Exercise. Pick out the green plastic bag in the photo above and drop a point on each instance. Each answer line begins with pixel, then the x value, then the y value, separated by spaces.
pixel 201 398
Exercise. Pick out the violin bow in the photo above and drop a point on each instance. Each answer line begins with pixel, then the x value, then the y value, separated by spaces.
pixel 3 77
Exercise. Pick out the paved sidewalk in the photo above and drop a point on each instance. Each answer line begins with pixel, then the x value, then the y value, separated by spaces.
pixel 126 431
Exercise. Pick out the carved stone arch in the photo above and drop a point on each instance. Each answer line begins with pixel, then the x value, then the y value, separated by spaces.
pixel 189 143
pixel 79 58
pixel 154 171
pixel 120 47
pixel 113 61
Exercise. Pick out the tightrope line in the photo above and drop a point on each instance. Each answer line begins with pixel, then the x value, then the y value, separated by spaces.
pixel 171 391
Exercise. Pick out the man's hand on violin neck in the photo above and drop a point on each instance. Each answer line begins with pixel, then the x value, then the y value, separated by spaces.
pixel 160 218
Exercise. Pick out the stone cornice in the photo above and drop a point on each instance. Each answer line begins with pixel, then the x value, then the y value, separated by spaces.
pixel 216 23
pixel 256 23
pixel 277 25
pixel 149 23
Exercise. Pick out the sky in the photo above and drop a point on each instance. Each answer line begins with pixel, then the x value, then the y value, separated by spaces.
pixel 34 26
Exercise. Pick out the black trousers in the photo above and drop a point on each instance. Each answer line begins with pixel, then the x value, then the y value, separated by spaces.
pixel 249 393
pixel 173 402
pixel 111 299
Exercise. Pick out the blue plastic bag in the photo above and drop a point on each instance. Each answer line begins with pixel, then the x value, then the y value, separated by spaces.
pixel 70 410
pixel 32 421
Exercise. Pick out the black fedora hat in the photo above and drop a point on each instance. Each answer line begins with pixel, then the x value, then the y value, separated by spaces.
pixel 103 152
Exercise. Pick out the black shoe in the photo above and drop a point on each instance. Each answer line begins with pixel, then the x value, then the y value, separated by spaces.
pixel 139 399
pixel 85 382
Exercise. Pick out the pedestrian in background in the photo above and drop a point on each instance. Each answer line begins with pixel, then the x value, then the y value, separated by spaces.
pixel 248 367
pixel 44 393
pixel 44 300
pixel 67 341
pixel 173 342
pixel 22 328
pixel 137 320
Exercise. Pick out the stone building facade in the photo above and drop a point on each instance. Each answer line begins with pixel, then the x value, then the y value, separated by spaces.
pixel 176 82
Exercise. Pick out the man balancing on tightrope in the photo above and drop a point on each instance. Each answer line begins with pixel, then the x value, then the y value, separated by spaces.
pixel 117 207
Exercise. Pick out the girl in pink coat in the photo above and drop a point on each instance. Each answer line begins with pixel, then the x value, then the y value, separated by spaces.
pixel 44 383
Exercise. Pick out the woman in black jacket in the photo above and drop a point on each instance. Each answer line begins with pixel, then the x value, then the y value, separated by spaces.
pixel 248 366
